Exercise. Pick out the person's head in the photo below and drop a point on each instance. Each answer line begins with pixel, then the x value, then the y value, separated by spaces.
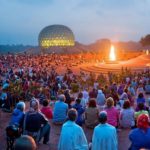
pixel 126 104
pixel 62 98
pixel 78 101
pixel 72 114
pixel 103 117
pixel 126 90
pixel 21 106
pixel 80 95
pixel 100 91
pixel 141 106
pixel 34 104
pixel 45 103
pixel 140 95
pixel 109 102
pixel 25 142
pixel 143 121
pixel 67 91
pixel 92 103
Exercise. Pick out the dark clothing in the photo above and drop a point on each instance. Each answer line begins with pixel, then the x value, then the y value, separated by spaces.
pixel 139 139
pixel 80 111
pixel 34 121
pixel 93 94
pixel 68 99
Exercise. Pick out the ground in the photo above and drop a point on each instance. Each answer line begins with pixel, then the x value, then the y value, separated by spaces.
pixel 55 133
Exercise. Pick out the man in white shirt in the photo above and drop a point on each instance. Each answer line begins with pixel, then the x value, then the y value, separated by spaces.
pixel 72 136
pixel 104 136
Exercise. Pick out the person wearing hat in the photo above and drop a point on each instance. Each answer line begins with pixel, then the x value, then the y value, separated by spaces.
pixel 140 137
pixel 104 136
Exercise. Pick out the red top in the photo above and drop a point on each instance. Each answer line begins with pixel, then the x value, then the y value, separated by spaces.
pixel 47 112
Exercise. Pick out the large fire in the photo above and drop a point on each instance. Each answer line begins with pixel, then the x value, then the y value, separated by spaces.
pixel 112 55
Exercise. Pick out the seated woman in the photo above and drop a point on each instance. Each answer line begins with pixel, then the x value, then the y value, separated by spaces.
pixel 91 114
pixel 112 112
pixel 126 116
pixel 140 137
pixel 80 111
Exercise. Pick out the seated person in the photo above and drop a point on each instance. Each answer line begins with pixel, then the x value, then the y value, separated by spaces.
pixel 60 110
pixel 46 110
pixel 140 98
pixel 112 112
pixel 80 111
pixel 3 97
pixel 25 142
pixel 104 135
pixel 72 135
pixel 91 114
pixel 147 88
pixel 36 124
pixel 141 110
pixel 126 116
pixel 140 137
pixel 18 115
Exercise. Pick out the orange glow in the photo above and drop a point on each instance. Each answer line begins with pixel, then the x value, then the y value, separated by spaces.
pixel 112 55
pixel 147 52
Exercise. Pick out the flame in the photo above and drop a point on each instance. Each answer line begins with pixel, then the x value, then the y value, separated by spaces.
pixel 147 52
pixel 112 55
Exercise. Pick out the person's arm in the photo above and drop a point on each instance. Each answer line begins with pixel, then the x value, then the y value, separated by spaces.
pixel 43 119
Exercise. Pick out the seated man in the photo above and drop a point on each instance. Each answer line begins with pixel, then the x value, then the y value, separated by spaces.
pixel 104 136
pixel 60 110
pixel 72 136
pixel 36 124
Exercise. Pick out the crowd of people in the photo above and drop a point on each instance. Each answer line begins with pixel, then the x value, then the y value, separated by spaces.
pixel 73 99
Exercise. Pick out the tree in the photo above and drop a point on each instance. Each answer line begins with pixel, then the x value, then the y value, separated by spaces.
pixel 145 41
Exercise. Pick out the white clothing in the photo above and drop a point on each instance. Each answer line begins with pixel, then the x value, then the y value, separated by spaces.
pixel 104 137
pixel 72 137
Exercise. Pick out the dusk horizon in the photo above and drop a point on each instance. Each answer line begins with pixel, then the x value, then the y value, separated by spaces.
pixel 22 21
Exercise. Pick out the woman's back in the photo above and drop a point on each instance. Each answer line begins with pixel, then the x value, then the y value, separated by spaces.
pixel 91 117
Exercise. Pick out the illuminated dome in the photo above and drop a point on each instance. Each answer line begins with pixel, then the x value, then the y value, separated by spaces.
pixel 56 35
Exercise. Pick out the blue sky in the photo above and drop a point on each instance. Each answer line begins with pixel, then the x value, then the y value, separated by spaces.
pixel 90 20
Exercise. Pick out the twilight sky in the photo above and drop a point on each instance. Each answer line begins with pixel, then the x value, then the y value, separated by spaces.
pixel 90 20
